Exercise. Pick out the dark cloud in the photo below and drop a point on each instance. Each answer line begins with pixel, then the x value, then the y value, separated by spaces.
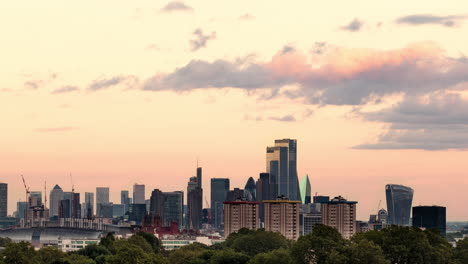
pixel 286 118
pixel 176 6
pixel 438 121
pixel 66 89
pixel 424 19
pixel 104 83
pixel 353 26
pixel 358 80
pixel 56 129
pixel 200 40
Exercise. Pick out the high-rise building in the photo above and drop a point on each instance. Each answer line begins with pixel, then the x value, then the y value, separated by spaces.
pixel 20 209
pixel 3 199
pixel 89 205
pixel 35 198
pixel 139 194
pixel 266 190
pixel 173 208
pixel 102 198
pixel 219 190
pixel 305 189
pixel 341 215
pixel 65 209
pixel 282 164
pixel 234 195
pixel 282 215
pixel 76 206
pixel 125 199
pixel 399 201
pixel 118 210
pixel 250 190
pixel 382 216
pixel 195 201
pixel 56 195
pixel 157 203
pixel 430 217
pixel 309 221
pixel 240 214
pixel 137 213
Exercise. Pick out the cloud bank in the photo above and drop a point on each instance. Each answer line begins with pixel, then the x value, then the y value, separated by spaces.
pixel 200 40
pixel 425 19
pixel 176 6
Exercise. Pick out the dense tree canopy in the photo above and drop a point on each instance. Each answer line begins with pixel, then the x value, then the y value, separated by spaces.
pixel 393 245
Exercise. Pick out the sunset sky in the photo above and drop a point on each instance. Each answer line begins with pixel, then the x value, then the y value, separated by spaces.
pixel 124 92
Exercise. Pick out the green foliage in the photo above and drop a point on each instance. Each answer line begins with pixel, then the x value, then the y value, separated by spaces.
pixel 364 252
pixel 4 241
pixel 278 256
pixel 152 240
pixel 193 253
pixel 93 251
pixel 20 253
pixel 317 246
pixel 78 259
pixel 50 255
pixel 229 256
pixel 252 242
pixel 461 251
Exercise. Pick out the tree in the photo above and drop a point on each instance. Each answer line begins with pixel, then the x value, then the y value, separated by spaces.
pixel 364 252
pixel 93 251
pixel 108 242
pixel 138 241
pixel 317 246
pixel 48 255
pixel 229 256
pixel 78 259
pixel 152 240
pixel 461 251
pixel 442 252
pixel 20 253
pixel 193 253
pixel 252 242
pixel 278 256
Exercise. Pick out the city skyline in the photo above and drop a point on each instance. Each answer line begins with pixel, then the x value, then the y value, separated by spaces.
pixel 375 93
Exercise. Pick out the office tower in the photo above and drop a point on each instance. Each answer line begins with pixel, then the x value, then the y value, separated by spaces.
pixel 3 199
pixel 107 210
pixel 309 221
pixel 89 205
pixel 305 189
pixel 56 195
pixel 250 190
pixel 341 215
pixel 173 208
pixel 139 194
pixel 195 201
pixel 234 195
pixel 266 190
pixel 76 206
pixel 137 213
pixel 321 199
pixel 281 163
pixel 382 216
pixel 118 210
pixel 65 209
pixel 240 214
pixel 219 190
pixel 20 209
pixel 282 215
pixel 125 199
pixel 35 198
pixel 399 200
pixel 430 217
pixel 102 198
pixel 157 203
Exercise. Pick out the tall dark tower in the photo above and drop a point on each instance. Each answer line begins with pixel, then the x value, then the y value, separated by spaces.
pixel 195 201
pixel 3 199
pixel 219 190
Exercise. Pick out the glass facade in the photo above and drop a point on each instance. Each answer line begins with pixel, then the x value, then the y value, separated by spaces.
pixel 3 199
pixel 219 190
pixel 305 190
pixel 430 217
pixel 250 190
pixel 399 200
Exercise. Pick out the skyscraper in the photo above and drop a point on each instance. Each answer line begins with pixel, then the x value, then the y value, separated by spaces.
pixel 281 163
pixel 219 190
pixel 234 195
pixel 430 217
pixel 89 205
pixel 3 199
pixel 20 209
pixel 173 208
pixel 250 190
pixel 340 214
pixel 282 215
pixel 125 199
pixel 195 201
pixel 56 195
pixel 35 198
pixel 102 198
pixel 266 190
pixel 157 203
pixel 399 201
pixel 305 190
pixel 76 206
pixel 139 193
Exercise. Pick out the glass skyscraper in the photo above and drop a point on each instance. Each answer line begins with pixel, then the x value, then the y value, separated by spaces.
pixel 282 165
pixel 219 191
pixel 3 199
pixel 430 217
pixel 250 190
pixel 305 190
pixel 399 200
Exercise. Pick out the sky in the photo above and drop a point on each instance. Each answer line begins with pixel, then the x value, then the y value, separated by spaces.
pixel 124 92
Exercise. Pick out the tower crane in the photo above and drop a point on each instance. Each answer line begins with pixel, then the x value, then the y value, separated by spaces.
pixel 26 188
pixel 45 194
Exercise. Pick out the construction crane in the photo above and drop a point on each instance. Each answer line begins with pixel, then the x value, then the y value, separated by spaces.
pixel 26 188
pixel 45 194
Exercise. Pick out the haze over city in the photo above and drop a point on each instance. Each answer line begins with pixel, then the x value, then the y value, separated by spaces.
pixel 118 92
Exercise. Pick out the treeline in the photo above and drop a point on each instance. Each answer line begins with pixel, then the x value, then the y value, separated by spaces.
pixel 393 245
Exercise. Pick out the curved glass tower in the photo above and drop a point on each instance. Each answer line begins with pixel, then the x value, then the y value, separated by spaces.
pixel 250 190
pixel 399 200
pixel 305 189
